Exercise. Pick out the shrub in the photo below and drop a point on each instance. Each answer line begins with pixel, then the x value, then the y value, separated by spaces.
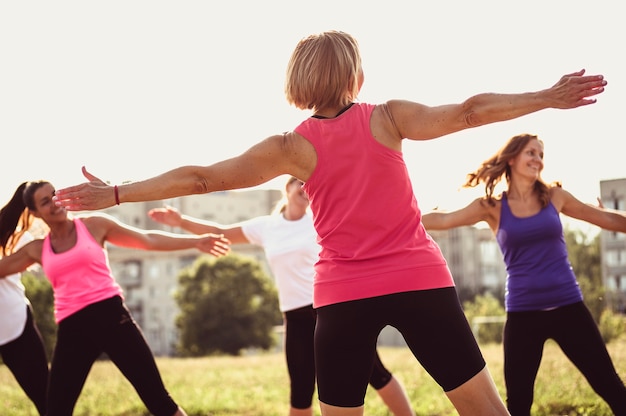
pixel 611 325
pixel 485 306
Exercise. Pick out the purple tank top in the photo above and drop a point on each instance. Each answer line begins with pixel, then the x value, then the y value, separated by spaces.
pixel 539 274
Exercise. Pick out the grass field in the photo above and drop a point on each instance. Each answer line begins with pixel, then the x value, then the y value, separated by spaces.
pixel 257 385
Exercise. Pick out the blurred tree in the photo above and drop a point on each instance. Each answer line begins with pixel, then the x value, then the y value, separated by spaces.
pixel 227 304
pixel 484 307
pixel 584 256
pixel 39 292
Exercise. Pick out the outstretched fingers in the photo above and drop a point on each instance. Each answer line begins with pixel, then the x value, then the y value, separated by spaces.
pixel 575 89
pixel 215 244
pixel 90 177
pixel 95 194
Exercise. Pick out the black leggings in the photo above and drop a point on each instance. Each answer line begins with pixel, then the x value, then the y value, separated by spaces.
pixel 104 327
pixel 432 323
pixel 299 342
pixel 575 331
pixel 26 357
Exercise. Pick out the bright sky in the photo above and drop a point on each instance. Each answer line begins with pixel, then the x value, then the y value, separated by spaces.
pixel 133 88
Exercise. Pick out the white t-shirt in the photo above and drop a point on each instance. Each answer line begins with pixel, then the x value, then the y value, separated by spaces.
pixel 13 302
pixel 291 249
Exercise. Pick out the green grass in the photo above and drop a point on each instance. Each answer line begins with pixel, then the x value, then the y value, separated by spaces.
pixel 257 385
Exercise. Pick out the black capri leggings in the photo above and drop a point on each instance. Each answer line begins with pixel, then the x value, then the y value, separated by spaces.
pixel 299 351
pixel 431 321
pixel 26 357
pixel 575 331
pixel 104 327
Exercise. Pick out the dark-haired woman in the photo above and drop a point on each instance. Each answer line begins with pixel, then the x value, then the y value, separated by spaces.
pixel 88 303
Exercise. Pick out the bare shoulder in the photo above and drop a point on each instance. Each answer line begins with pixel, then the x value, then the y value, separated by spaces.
pixel 291 141
pixel 559 197
pixel 384 128
pixel 33 248
pixel 95 218
pixel 99 224
pixel 491 210
pixel 301 153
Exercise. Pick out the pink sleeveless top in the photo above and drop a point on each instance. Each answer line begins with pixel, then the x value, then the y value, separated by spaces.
pixel 366 215
pixel 79 276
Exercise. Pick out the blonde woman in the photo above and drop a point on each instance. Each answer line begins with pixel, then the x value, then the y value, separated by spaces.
pixel 290 243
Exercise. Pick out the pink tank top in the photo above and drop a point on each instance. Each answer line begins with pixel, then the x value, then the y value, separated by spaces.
pixel 366 215
pixel 79 276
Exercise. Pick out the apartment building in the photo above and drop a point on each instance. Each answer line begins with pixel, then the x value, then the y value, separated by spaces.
pixel 473 257
pixel 613 246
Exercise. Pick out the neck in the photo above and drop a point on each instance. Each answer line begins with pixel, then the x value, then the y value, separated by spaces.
pixel 521 191
pixel 293 214
pixel 331 112
pixel 61 229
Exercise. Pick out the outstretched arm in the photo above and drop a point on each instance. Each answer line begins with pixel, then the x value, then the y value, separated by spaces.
pixel 170 216
pixel 608 219
pixel 123 235
pixel 22 259
pixel 419 122
pixel 477 211
pixel 277 155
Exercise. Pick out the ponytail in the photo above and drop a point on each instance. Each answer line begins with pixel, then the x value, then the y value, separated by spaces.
pixel 16 216
pixel 14 213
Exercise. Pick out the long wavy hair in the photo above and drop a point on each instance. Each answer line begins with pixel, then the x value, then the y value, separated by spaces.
pixel 16 216
pixel 493 170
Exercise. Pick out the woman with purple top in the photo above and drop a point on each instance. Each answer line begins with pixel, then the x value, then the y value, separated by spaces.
pixel 542 298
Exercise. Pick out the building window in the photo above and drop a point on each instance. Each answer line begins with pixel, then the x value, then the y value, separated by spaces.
pixel 154 271
pixel 129 273
pixel 612 258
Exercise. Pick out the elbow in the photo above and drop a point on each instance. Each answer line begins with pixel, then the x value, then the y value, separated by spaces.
pixel 475 112
pixel 471 119
pixel 200 185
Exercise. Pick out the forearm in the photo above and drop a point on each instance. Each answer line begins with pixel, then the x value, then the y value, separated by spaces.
pixel 571 91
pixel 433 221
pixel 163 241
pixel 489 108
pixel 14 264
pixel 233 232
pixel 186 180
pixel 195 226
pixel 615 221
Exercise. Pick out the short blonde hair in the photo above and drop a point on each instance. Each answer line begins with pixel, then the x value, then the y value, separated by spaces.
pixel 324 71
